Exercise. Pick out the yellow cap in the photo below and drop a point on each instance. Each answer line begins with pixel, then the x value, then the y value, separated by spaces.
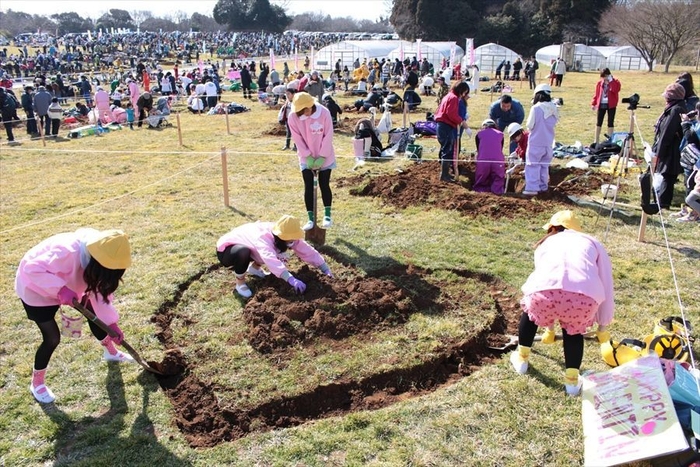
pixel 111 249
pixel 566 219
pixel 288 228
pixel 301 101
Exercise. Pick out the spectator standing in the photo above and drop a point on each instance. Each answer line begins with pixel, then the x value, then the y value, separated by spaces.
pixel 144 104
pixel 42 101
pixel 559 71
pixel 605 99
pixel 28 107
pixel 449 120
pixel 666 147
pixel 8 111
pixel 56 115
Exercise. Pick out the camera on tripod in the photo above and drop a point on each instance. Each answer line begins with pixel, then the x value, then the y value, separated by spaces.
pixel 632 100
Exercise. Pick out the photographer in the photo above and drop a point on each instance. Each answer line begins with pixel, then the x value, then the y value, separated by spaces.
pixel 605 99
pixel 690 148
pixel 666 147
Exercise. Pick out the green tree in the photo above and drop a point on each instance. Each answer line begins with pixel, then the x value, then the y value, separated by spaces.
pixel 115 19
pixel 71 22
pixel 251 15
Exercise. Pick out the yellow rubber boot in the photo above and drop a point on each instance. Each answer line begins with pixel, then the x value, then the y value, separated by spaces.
pixel 548 337
pixel 572 382
pixel 519 359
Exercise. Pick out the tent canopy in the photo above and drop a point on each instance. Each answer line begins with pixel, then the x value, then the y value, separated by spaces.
pixel 433 51
pixel 348 51
pixel 625 57
pixel 489 56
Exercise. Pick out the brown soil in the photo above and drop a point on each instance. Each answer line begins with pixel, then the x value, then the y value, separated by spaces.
pixel 330 309
pixel 420 184
pixel 357 304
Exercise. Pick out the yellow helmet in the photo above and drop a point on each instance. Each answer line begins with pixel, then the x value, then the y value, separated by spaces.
pixel 673 325
pixel 668 346
pixel 616 353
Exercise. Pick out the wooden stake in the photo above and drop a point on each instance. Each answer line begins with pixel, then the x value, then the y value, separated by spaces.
pixel 179 128
pixel 642 227
pixel 224 174
pixel 405 115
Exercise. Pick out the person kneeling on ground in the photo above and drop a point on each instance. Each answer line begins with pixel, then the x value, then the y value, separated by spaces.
pixel 87 266
pixel 490 164
pixel 572 283
pixel 375 99
pixel 247 247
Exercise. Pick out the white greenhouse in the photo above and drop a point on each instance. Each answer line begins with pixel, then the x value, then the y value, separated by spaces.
pixel 348 51
pixel 489 56
pixel 623 58
pixel 584 58
pixel 433 51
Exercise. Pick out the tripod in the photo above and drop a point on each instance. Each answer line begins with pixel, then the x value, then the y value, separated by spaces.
pixel 620 168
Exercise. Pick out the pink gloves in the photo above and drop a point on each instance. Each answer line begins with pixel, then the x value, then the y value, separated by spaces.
pixel 299 286
pixel 66 296
pixel 118 338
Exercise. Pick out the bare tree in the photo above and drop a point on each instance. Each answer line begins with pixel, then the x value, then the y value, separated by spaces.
pixel 658 29
pixel 139 16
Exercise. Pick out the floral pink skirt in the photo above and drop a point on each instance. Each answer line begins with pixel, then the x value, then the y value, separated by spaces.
pixel 574 311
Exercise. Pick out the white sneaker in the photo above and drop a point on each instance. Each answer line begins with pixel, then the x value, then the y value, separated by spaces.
pixel 519 365
pixel 327 222
pixel 118 357
pixel 308 226
pixel 530 193
pixel 42 394
pixel 574 390
pixel 257 272
pixel 682 213
pixel 243 290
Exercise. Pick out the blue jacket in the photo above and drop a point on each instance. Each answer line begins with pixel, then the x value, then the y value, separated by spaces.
pixel 503 119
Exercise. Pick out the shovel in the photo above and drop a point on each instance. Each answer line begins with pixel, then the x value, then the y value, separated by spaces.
pixel 91 316
pixel 316 235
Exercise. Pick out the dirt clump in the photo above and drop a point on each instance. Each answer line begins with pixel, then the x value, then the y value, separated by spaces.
pixel 420 184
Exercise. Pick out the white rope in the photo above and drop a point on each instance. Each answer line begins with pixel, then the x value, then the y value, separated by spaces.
pixel 92 206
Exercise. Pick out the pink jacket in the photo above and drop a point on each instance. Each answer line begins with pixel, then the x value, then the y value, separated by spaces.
pixel 59 261
pixel 575 262
pixel 313 136
pixel 258 237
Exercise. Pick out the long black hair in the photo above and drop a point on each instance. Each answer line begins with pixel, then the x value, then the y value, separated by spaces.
pixel 101 280
pixel 541 97
pixel 280 244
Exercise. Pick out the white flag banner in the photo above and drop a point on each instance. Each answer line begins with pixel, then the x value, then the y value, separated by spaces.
pixel 419 53
pixel 471 58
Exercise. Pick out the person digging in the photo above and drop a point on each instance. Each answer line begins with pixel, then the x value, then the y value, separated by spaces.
pixel 248 247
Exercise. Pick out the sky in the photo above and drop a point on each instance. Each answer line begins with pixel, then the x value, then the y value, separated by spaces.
pixel 358 9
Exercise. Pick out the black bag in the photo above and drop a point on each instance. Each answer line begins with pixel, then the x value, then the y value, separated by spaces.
pixel 645 183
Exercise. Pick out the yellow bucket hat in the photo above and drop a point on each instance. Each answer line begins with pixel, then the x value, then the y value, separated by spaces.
pixel 288 228
pixel 111 249
pixel 566 219
pixel 301 101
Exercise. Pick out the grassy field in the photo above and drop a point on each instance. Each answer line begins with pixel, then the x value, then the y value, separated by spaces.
pixel 169 198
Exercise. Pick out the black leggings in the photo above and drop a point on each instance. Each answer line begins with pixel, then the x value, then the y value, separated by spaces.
pixel 236 257
pixel 573 343
pixel 45 319
pixel 324 182
pixel 602 110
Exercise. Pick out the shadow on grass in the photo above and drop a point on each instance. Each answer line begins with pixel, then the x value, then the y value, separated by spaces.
pixel 77 440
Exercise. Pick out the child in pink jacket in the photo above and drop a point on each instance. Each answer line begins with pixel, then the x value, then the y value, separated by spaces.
pixel 311 127
pixel 572 283
pixel 86 265
pixel 247 247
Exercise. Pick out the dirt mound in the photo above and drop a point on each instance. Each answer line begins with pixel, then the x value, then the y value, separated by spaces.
pixel 352 305
pixel 420 184
pixel 332 308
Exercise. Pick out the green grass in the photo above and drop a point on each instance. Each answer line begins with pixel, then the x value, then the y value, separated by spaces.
pixel 169 199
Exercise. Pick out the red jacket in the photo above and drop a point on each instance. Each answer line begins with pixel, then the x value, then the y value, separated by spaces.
pixel 614 87
pixel 448 111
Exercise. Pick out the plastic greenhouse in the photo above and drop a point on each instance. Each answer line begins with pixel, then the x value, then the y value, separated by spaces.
pixel 489 56
pixel 433 51
pixel 348 51
pixel 622 58
pixel 585 58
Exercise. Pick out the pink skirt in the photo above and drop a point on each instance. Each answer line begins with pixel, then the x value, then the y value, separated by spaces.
pixel 574 311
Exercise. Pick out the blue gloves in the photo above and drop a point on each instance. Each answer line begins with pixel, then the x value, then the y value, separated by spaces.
pixel 299 286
